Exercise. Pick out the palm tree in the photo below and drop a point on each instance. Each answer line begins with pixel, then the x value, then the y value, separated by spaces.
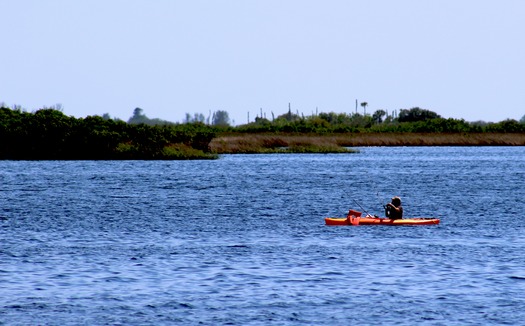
pixel 377 117
pixel 364 105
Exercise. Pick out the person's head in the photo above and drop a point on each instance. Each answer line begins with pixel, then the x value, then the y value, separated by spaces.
pixel 396 201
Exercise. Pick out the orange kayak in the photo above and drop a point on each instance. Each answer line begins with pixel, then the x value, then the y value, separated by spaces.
pixel 354 218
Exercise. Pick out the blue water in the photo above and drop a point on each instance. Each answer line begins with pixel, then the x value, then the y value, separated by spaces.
pixel 242 241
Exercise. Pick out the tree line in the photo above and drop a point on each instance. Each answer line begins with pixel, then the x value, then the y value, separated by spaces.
pixel 405 121
pixel 48 134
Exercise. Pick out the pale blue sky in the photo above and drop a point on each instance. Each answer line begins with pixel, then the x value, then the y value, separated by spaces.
pixel 461 59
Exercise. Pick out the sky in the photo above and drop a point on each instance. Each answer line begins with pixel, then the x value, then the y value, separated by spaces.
pixel 461 59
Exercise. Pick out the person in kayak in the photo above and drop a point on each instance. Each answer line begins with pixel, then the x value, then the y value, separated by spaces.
pixel 394 210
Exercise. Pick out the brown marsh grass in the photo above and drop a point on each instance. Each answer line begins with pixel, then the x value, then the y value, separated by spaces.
pixel 337 143
pixel 273 143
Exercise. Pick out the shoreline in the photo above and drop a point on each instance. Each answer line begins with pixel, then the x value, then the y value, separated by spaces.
pixel 237 143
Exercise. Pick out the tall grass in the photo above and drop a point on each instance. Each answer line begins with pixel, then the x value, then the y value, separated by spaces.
pixel 233 143
pixel 281 143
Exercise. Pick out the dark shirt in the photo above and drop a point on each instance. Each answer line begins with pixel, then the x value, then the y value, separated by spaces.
pixel 394 214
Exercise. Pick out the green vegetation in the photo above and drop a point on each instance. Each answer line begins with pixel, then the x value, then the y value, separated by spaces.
pixel 48 134
pixel 415 120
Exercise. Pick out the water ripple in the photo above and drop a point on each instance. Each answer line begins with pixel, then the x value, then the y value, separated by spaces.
pixel 242 241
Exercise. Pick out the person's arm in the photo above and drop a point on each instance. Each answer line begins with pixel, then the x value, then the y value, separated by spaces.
pixel 392 206
pixel 397 209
